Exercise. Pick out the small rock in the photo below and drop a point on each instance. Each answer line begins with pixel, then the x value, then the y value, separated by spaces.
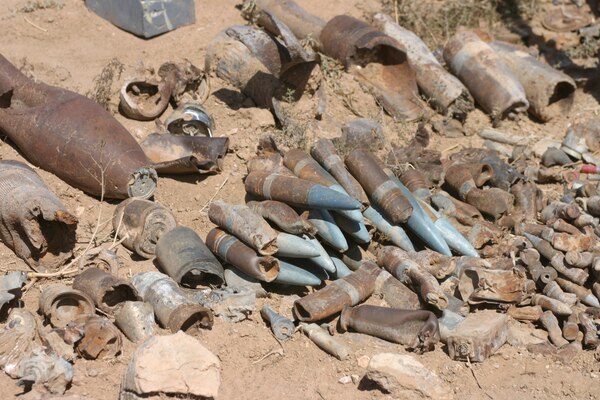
pixel 520 335
pixel 363 361
pixel 259 117
pixel 405 378
pixel 346 379
pixel 355 378
pixel 172 365
pixel 92 373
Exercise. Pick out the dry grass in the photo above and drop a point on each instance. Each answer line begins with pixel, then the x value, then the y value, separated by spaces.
pixel 103 83
pixel 34 5
pixel 437 21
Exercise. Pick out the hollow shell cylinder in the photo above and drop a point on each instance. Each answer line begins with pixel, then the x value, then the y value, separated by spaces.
pixel 62 304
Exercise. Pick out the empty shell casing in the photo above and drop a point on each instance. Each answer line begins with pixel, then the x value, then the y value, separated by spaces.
pixel 233 251
pixel 330 300
pixel 105 289
pixel 136 320
pixel 550 323
pixel 61 304
pixel 141 223
pixel 183 255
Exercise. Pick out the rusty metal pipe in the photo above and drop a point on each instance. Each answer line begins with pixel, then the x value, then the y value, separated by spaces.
pixel 235 252
pixel 297 192
pixel 491 82
pixel 183 256
pixel 283 216
pixel 173 309
pixel 34 222
pixel 105 289
pixel 383 191
pixel 418 330
pixel 62 305
pixel 550 92
pixel 324 152
pixel 330 300
pixel 40 120
pixel 141 223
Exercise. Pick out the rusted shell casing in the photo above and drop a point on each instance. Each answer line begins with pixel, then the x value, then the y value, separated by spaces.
pixel 590 339
pixel 282 215
pixel 141 223
pixel 233 251
pixel 184 154
pixel 554 291
pixel 401 266
pixel 297 192
pixel 324 152
pixel 136 320
pixel 418 330
pixel 272 163
pixel 173 309
pixel 101 339
pixel 330 300
pixel 436 264
pixel 550 323
pixel 548 304
pixel 183 255
pixel 384 192
pixel 62 305
pixel 445 91
pixel 245 224
pixel 301 23
pixel 34 222
pixel 105 289
pixel 527 313
pixel 583 294
pixel 560 225
pixel 577 259
pixel 568 242
pixel 383 60
pixel 41 121
pixel 570 328
pixel 527 200
pixel 417 183
pixel 489 80
pixel 550 93
pixel 464 213
pixel 395 293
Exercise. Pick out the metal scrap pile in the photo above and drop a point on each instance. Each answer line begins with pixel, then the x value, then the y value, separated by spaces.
pixel 456 246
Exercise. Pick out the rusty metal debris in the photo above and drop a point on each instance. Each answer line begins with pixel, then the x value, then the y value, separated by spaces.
pixel 184 257
pixel 10 289
pixel 101 338
pixel 136 320
pixel 146 97
pixel 173 309
pixel 283 216
pixel 325 341
pixel 34 222
pixel 105 289
pixel 478 336
pixel 282 328
pixel 62 305
pixel 141 223
pixel 190 119
pixel 418 330
pixel 330 300
pixel 114 165
pixel 491 82
pixel 479 285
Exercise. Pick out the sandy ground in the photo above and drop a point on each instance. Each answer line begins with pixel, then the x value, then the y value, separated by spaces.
pixel 70 46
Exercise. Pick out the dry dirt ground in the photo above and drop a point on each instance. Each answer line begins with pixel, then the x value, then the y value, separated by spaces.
pixel 69 46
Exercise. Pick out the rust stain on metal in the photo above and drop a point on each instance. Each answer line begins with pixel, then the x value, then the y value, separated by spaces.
pixel 284 216
pixel 105 289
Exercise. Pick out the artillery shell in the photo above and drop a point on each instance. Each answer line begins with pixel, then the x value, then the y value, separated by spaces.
pixel 105 289
pixel 305 167
pixel 583 294
pixel 341 269
pixel 141 223
pixel 282 328
pixel 554 291
pixel 418 330
pixel 136 320
pixel 446 92
pixel 327 229
pixel 407 271
pixel 395 293
pixel 297 192
pixel 283 216
pixel 35 224
pixel 527 313
pixel 238 280
pixel 384 192
pixel 324 152
pixel 101 339
pixel 550 323
pixel 393 233
pixel 330 300
pixel 41 120
pixel 356 230
pixel 248 226
pixel 295 247
pixel 183 255
pixel 172 308
pixel 61 304
pixel 290 274
pixel 556 306
pixel 550 93
pixel 325 341
pixel 590 339
pixel 233 251
pixel 570 329
pixel 384 63
pixel 491 82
